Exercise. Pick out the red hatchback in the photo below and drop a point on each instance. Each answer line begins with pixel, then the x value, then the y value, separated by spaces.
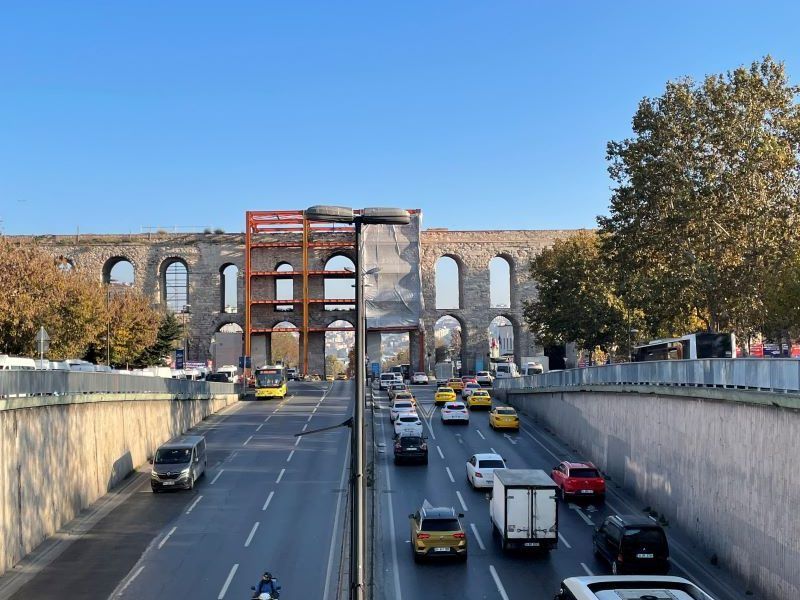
pixel 579 479
pixel 468 379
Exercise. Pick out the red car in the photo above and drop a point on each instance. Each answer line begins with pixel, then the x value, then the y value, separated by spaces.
pixel 468 379
pixel 579 479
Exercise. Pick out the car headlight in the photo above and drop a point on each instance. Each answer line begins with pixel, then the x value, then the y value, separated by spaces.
pixel 185 471
pixel 153 474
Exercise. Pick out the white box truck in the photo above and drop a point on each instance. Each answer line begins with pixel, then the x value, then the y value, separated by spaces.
pixel 524 509
pixel 444 371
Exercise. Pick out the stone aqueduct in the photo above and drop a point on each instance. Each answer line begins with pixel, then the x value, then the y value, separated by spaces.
pixel 205 256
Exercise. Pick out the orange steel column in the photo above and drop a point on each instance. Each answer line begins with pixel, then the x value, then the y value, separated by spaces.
pixel 306 232
pixel 247 270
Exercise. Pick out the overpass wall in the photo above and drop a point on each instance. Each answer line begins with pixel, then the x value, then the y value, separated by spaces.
pixel 724 471
pixel 58 458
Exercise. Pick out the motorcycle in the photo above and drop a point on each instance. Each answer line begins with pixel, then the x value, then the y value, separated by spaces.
pixel 264 595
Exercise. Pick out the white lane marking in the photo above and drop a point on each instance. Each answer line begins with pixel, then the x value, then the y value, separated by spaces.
pixel 267 419
pixel 477 536
pixel 510 439
pixel 392 538
pixel 333 545
pixel 440 452
pixel 582 514
pixel 461 499
pixel 563 540
pixel 480 434
pixel 297 441
pixel 313 411
pixel 587 569
pixel 247 441
pixel 309 418
pixel 252 533
pixel 191 508
pixel 305 426
pixel 450 474
pixel 280 476
pixel 269 499
pixel 130 580
pixel 530 435
pixel 493 450
pixel 291 454
pixel 213 481
pixel 166 537
pixel 498 583
pixel 259 427
pixel 228 581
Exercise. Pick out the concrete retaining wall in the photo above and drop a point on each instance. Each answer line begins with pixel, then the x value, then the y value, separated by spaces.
pixel 57 459
pixel 723 471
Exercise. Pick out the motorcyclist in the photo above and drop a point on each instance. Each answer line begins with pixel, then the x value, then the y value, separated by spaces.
pixel 267 585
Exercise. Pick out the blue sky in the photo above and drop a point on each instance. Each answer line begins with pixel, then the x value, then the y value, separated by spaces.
pixel 120 115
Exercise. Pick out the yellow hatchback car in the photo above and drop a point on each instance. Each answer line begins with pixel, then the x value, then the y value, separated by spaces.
pixel 480 399
pixel 436 532
pixel 456 384
pixel 504 417
pixel 444 395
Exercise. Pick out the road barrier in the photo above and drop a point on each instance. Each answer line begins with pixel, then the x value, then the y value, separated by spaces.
pixel 769 375
pixel 20 384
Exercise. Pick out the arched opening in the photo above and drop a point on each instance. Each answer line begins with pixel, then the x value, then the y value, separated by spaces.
pixel 501 339
pixel 227 345
pixel 118 272
pixel 395 350
pixel 285 344
pixel 229 288
pixel 499 283
pixel 284 287
pixel 448 339
pixel 340 286
pixel 448 283
pixel 175 285
pixel 340 339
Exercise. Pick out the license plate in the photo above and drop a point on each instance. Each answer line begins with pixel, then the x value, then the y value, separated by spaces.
pixel 644 556
pixel 167 483
pixel 531 544
pixel 410 449
pixel 587 492
pixel 441 549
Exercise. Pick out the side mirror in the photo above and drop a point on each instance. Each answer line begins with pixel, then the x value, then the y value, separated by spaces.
pixel 150 460
pixel 460 515
pixel 197 459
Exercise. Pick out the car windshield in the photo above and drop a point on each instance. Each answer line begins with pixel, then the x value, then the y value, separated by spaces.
pixel 173 456
pixel 440 525
pixel 647 538
pixel 269 379
pixel 506 411
pixel 409 441
pixel 491 464
pixel 408 419
pixel 584 473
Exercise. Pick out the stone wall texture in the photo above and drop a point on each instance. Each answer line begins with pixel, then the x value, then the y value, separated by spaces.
pixel 56 460
pixel 708 465
pixel 207 255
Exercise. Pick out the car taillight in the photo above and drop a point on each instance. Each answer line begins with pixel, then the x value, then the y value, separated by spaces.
pixel 423 536
pixel 458 536
pixel 619 558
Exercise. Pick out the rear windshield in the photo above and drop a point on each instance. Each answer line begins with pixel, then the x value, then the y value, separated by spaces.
pixel 440 525
pixel 506 411
pixel 409 419
pixel 403 404
pixel 415 374
pixel 446 390
pixel 491 464
pixel 483 373
pixel 648 538
pixel 388 376
pixel 410 441
pixel 584 473
pixel 455 406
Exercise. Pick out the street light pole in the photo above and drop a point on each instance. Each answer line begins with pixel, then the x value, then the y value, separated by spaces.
pixel 358 544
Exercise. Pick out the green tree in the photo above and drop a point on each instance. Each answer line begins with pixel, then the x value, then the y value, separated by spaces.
pixel 705 204
pixel 286 347
pixel 170 330
pixel 576 301
pixel 782 301
pixel 333 366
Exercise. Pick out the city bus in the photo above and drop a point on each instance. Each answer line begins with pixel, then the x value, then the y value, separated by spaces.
pixel 691 346
pixel 271 381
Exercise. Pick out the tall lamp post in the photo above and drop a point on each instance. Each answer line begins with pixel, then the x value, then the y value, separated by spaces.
pixel 367 216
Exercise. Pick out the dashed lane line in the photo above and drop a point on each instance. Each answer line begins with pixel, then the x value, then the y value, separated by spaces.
pixel 450 474
pixel 480 434
pixel 582 514
pixel 564 541
pixel 224 589
pixel 252 533
pixel 213 481
pixel 291 454
pixel 259 427
pixel 497 582
pixel 247 441
pixel 166 537
pixel 297 441
pixel 269 499
pixel 461 499
pixel 280 476
pixel 587 569
pixel 136 573
pixel 191 508
pixel 440 452
pixel 477 536
pixel 546 449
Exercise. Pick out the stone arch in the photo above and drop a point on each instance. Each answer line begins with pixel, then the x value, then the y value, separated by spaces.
pixel 338 345
pixel 229 298
pixel 113 262
pixel 285 344
pixel 501 281
pixel 173 278
pixel 458 349
pixel 514 350
pixel 444 277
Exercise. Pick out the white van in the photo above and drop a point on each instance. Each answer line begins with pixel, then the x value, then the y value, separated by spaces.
pixel 232 371
pixel 387 380
pixel 506 370
pixel 629 586
pixel 16 363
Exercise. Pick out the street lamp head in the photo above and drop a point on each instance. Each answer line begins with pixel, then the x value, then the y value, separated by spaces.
pixel 329 214
pixel 385 216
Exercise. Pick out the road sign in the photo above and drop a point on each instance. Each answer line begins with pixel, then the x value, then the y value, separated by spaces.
pixel 179 358
pixel 245 362
pixel 42 341
pixel 376 369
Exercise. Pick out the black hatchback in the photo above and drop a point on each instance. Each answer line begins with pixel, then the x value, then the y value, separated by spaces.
pixel 410 448
pixel 632 545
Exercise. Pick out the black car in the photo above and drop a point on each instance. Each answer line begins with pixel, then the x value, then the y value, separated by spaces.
pixel 221 377
pixel 410 448
pixel 632 545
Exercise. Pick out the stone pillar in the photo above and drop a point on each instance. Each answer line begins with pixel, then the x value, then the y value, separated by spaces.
pixel 374 349
pixel 417 359
pixel 316 353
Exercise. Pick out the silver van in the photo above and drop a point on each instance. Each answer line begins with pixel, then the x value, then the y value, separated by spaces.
pixel 629 586
pixel 178 463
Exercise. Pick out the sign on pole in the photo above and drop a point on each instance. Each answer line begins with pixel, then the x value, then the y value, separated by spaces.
pixel 179 358
pixel 42 342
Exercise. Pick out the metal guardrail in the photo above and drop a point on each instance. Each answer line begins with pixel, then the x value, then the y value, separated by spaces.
pixel 769 375
pixel 16 384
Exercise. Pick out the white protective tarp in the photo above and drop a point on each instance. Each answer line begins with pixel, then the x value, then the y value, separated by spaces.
pixel 392 280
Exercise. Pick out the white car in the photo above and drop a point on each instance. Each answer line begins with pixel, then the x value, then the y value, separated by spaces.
pixel 401 406
pixel 419 379
pixel 480 469
pixel 455 412
pixel 386 381
pixel 408 423
pixel 397 387
pixel 468 389
pixel 484 378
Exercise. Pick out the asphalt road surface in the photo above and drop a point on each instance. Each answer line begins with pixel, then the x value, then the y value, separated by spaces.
pixel 489 572
pixel 268 501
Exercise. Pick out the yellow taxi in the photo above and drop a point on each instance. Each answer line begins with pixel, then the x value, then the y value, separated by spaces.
pixel 456 384
pixel 328 377
pixel 436 532
pixel 479 399
pixel 341 377
pixel 444 395
pixel 504 417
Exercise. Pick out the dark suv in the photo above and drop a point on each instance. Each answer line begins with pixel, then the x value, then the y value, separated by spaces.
pixel 411 448
pixel 632 545
pixel 221 377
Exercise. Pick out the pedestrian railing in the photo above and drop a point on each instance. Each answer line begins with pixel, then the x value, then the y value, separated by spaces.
pixel 19 384
pixel 770 375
